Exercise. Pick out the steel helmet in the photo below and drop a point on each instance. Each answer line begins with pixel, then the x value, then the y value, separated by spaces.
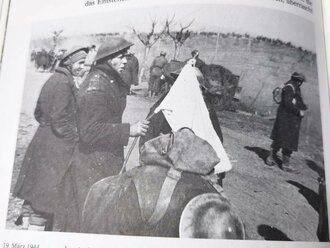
pixel 210 216
pixel 111 47
pixel 68 53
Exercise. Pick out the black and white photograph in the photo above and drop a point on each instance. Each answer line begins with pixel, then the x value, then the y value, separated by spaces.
pixel 198 121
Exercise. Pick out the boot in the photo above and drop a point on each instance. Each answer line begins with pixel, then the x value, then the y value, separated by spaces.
pixel 286 164
pixel 270 159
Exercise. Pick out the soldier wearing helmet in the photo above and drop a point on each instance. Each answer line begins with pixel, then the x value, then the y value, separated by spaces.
pixel 131 71
pixel 285 134
pixel 48 155
pixel 157 71
pixel 102 135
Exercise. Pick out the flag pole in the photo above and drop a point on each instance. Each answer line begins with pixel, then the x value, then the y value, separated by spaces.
pixel 136 139
pixel 132 147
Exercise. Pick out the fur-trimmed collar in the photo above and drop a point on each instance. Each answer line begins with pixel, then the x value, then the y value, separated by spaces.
pixel 67 73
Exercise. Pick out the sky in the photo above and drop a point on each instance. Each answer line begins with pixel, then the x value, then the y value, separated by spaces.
pixel 207 17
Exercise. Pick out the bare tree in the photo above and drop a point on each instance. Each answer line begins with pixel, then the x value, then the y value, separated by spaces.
pixel 179 37
pixel 148 40
pixel 56 38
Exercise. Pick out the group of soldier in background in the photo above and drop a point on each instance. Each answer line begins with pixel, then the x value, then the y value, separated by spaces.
pixel 46 61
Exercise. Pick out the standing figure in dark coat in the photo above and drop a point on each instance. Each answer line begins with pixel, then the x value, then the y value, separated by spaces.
pixel 44 60
pixel 47 157
pixel 52 60
pixel 131 71
pixel 102 135
pixel 199 63
pixel 285 134
pixel 33 56
pixel 157 71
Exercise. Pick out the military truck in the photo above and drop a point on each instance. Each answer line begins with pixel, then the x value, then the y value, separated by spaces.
pixel 220 83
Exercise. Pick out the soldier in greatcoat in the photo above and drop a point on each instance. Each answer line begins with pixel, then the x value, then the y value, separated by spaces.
pixel 47 157
pixel 285 134
pixel 157 71
pixel 102 135
pixel 131 71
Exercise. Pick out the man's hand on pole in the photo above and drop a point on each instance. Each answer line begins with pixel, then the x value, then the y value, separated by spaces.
pixel 139 128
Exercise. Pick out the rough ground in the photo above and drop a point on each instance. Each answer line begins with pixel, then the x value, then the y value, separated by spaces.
pixel 273 205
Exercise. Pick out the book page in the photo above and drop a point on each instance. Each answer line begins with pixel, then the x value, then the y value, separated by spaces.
pixel 326 16
pixel 4 9
pixel 75 171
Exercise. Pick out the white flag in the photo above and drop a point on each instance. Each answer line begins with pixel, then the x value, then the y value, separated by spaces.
pixel 184 106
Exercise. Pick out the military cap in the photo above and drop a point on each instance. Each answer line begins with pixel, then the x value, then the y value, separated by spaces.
pixel 298 76
pixel 69 57
pixel 73 50
pixel 112 47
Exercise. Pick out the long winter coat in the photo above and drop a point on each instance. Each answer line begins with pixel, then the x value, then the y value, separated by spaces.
pixel 286 128
pixel 156 71
pixel 131 71
pixel 160 62
pixel 102 136
pixel 48 155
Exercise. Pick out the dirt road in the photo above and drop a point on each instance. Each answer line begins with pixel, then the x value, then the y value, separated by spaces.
pixel 274 205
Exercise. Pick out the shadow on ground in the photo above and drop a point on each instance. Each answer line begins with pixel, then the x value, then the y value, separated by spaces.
pixel 272 233
pixel 312 197
pixel 262 153
pixel 315 167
